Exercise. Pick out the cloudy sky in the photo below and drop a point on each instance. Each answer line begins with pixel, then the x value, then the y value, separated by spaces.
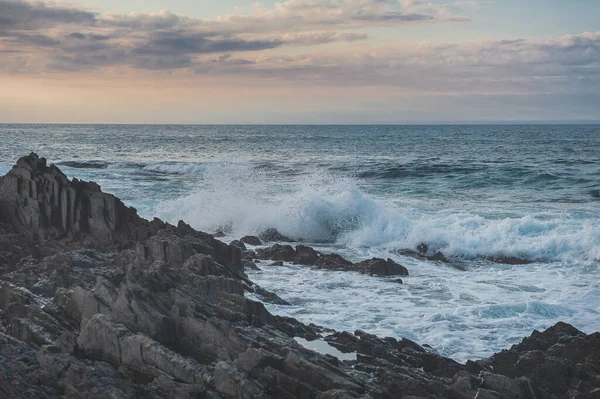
pixel 299 61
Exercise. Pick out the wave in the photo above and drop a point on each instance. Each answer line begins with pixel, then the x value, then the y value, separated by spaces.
pixel 322 208
pixel 183 168
pixel 84 164
pixel 4 169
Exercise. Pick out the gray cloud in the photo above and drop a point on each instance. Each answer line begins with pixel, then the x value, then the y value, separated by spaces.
pixel 37 37
pixel 24 15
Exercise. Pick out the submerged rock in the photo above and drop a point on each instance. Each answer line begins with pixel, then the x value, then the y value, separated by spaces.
pixel 509 260
pixel 436 257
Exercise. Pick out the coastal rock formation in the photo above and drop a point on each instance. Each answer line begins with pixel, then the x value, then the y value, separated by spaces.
pixel 98 302
pixel 305 255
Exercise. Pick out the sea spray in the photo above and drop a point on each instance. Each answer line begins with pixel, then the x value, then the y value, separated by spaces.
pixel 320 208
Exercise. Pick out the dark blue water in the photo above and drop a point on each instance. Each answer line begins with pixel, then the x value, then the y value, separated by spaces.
pixel 470 191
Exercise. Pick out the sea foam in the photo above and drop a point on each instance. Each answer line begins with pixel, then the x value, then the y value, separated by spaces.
pixel 319 208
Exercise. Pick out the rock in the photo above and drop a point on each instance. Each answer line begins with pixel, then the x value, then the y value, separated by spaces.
pixel 98 302
pixel 40 201
pixel 382 268
pixel 249 265
pixel 268 296
pixel 102 338
pixel 333 262
pixel 306 255
pixel 272 235
pixel 284 253
pixel 439 257
pixel 231 381
pixel 238 244
pixel 509 260
pixel 276 263
pixel 251 240
pixel 436 257
pixel 423 248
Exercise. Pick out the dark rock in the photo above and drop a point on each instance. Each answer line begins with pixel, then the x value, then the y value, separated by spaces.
pixel 439 257
pixel 272 235
pixel 238 244
pixel 276 263
pixel 436 257
pixel 305 255
pixel 249 265
pixel 251 240
pixel 97 302
pixel 284 253
pixel 381 267
pixel 41 202
pixel 333 262
pixel 423 248
pixel 509 260
pixel 268 296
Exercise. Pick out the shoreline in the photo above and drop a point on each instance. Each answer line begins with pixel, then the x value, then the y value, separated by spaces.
pixel 137 306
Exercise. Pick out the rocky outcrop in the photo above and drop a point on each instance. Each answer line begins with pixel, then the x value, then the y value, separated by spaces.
pixel 251 240
pixel 40 201
pixel 305 255
pixel 422 254
pixel 120 307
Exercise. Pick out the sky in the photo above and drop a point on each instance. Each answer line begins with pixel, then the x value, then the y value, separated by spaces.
pixel 299 61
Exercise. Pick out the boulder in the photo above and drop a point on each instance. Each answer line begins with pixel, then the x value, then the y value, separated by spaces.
pixel 284 253
pixel 381 268
pixel 333 262
pixel 251 240
pixel 306 255
pixel 272 235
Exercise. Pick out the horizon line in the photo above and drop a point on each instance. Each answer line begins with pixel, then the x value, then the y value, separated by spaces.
pixel 407 123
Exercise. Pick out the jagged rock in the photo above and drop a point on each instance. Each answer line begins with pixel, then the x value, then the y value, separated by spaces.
pixel 97 302
pixel 249 265
pixel 268 296
pixel 436 257
pixel 272 235
pixel 251 240
pixel 102 338
pixel 333 262
pixel 423 248
pixel 284 253
pixel 238 244
pixel 40 201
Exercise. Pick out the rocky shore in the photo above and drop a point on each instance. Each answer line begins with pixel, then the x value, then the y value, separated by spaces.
pixel 96 302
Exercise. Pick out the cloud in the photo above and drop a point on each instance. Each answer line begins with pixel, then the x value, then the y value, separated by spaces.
pixel 42 37
pixel 59 36
pixel 567 64
pixel 25 15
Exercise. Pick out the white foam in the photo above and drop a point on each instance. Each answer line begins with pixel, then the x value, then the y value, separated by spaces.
pixel 320 208
pixel 4 170
pixel 464 315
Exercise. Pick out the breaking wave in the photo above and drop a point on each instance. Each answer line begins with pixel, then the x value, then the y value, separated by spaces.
pixel 321 208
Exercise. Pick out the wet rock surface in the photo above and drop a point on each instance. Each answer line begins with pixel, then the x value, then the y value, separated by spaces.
pixel 305 255
pixel 98 302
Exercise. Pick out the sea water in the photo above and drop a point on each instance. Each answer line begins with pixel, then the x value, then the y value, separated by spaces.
pixel 472 192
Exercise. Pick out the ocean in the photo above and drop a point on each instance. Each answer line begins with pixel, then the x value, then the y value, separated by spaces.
pixel 472 192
